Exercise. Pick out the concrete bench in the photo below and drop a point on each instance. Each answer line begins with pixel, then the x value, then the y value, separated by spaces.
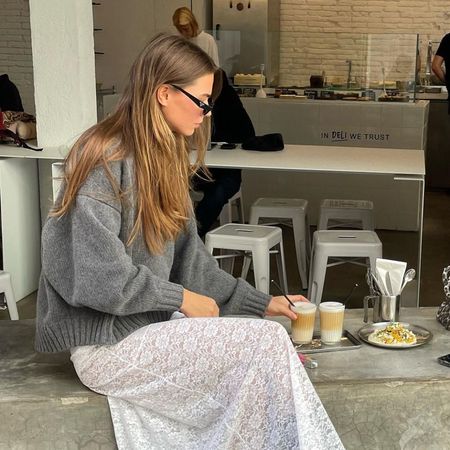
pixel 43 405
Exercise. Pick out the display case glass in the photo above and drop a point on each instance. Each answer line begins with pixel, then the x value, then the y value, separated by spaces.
pixel 376 66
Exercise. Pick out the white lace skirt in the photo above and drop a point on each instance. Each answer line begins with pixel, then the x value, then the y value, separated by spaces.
pixel 216 383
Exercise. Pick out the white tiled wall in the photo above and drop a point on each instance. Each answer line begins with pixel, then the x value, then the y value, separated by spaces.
pixel 15 48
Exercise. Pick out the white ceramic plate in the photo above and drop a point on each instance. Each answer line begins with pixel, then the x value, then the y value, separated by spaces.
pixel 422 335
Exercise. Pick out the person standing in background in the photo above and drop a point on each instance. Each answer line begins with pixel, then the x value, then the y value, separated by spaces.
pixel 443 56
pixel 186 24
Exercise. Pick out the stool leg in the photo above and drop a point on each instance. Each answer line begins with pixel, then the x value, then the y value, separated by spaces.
pixel 367 222
pixel 226 215
pixel 281 267
pixel 246 266
pixel 226 264
pixel 323 221
pixel 308 240
pixel 317 277
pixel 300 249
pixel 9 297
pixel 261 269
pixel 254 218
pixel 378 253
pixel 240 207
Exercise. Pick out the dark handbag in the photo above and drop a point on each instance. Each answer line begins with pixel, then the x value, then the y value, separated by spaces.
pixel 17 126
pixel 443 314
pixel 267 143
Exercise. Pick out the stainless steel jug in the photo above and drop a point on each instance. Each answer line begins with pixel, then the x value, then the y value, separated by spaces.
pixel 385 308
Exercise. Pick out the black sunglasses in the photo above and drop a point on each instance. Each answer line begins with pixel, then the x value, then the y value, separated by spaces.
pixel 206 107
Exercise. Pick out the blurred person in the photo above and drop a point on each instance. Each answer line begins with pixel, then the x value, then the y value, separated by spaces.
pixel 185 22
pixel 441 57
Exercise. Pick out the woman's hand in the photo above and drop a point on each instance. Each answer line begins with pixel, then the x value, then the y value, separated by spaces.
pixel 279 306
pixel 196 305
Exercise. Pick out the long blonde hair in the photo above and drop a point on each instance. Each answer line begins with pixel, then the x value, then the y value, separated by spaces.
pixel 162 166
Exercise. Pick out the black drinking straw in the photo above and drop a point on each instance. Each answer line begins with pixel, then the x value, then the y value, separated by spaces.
pixel 349 295
pixel 281 290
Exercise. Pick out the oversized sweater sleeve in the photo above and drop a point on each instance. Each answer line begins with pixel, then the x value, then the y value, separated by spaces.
pixel 198 271
pixel 86 263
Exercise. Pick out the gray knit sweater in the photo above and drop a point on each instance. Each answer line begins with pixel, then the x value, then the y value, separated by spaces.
pixel 95 290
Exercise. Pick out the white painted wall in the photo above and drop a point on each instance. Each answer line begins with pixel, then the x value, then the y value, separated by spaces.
pixel 64 69
pixel 126 27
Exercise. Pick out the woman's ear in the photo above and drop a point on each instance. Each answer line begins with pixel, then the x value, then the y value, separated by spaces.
pixel 162 94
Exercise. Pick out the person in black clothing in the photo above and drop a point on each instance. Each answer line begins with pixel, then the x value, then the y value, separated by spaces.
pixel 443 56
pixel 9 95
pixel 230 123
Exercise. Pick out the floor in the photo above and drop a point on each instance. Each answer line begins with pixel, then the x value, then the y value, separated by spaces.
pixel 341 279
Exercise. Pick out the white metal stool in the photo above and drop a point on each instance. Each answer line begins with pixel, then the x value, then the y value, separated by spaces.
pixel 295 211
pixel 256 239
pixel 339 244
pixel 346 213
pixel 6 288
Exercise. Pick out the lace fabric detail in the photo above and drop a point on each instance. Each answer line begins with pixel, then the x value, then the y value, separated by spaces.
pixel 443 313
pixel 212 383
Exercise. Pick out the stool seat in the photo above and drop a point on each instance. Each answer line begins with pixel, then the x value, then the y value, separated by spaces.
pixel 346 241
pixel 267 205
pixel 346 213
pixel 294 210
pixel 255 239
pixel 339 244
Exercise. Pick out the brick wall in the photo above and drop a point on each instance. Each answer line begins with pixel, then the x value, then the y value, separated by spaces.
pixel 320 35
pixel 15 48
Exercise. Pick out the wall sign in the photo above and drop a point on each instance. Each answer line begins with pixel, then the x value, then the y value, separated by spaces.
pixel 337 135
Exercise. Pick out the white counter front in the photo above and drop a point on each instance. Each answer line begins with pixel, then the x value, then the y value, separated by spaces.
pixel 341 123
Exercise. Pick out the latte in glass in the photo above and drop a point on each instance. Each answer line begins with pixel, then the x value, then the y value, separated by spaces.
pixel 302 328
pixel 331 322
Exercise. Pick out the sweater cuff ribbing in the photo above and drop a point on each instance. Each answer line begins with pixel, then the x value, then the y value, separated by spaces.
pixel 171 296
pixel 253 302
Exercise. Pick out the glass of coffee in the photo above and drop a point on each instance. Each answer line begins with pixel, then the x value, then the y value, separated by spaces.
pixel 302 328
pixel 331 322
